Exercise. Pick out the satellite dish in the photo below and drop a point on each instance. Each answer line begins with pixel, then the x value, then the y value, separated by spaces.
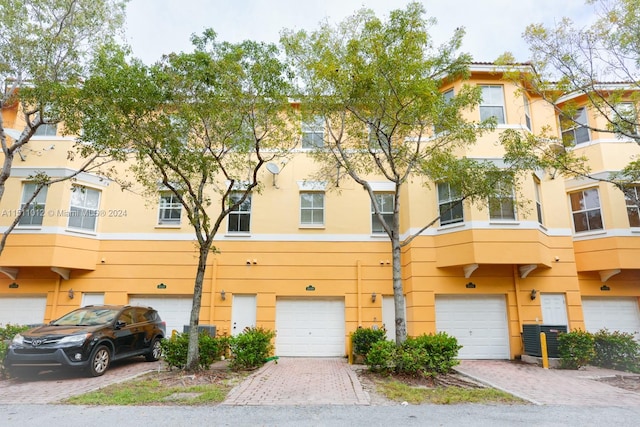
pixel 273 168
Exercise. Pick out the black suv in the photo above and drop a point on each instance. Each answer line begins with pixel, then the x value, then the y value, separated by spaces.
pixel 89 338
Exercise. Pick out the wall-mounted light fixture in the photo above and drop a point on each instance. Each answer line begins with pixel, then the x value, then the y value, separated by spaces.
pixel 70 293
pixel 223 295
pixel 13 285
pixel 162 286
pixel 373 297
pixel 605 288
pixel 533 294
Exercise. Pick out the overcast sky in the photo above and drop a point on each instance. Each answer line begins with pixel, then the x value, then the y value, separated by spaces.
pixel 157 27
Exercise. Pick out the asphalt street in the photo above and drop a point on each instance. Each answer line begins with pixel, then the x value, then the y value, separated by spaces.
pixel 326 415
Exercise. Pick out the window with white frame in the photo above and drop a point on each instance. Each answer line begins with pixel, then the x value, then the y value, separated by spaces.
pixel 33 215
pixel 313 133
pixel 385 203
pixel 632 198
pixel 240 216
pixel 311 208
pixel 624 119
pixel 585 209
pixel 169 209
pixel 492 104
pixel 47 129
pixel 502 204
pixel 449 204
pixel 447 96
pixel 575 130
pixel 83 210
pixel 538 191
pixel 378 139
pixel 527 112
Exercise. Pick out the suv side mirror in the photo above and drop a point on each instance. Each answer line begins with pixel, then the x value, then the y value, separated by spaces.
pixel 120 324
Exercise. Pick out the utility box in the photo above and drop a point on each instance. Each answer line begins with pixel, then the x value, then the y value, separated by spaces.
pixel 531 339
pixel 207 329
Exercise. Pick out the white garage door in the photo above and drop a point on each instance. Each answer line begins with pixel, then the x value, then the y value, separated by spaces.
pixel 22 310
pixel 478 322
pixel 310 327
pixel 174 310
pixel 614 314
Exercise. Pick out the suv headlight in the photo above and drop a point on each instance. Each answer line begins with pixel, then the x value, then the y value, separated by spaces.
pixel 17 340
pixel 74 339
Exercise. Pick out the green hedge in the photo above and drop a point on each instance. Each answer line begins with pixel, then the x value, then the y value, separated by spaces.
pixel 251 348
pixel 174 349
pixel 364 338
pixel 6 335
pixel 424 355
pixel 614 350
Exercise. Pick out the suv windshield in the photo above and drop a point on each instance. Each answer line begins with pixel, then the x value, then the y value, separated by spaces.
pixel 87 317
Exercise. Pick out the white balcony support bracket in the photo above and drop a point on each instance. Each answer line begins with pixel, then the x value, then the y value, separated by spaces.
pixel 607 274
pixel 11 273
pixel 469 269
pixel 526 269
pixel 65 273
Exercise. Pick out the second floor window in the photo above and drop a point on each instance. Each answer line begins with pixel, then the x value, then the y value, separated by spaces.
pixel 313 133
pixel 47 130
pixel 240 217
pixel 385 203
pixel 35 213
pixel 502 204
pixel 312 208
pixel 449 204
pixel 585 209
pixel 575 130
pixel 492 104
pixel 632 197
pixel 169 210
pixel 83 210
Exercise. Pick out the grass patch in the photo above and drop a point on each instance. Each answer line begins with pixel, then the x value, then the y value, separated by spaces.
pixel 152 391
pixel 416 395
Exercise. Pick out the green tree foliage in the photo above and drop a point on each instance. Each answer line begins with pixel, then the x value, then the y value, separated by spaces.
pixel 201 125
pixel 45 46
pixel 599 62
pixel 376 85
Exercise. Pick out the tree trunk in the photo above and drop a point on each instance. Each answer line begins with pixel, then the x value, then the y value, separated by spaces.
pixel 398 294
pixel 193 354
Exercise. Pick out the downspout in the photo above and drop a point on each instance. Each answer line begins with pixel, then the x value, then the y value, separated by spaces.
pixel 56 294
pixel 359 291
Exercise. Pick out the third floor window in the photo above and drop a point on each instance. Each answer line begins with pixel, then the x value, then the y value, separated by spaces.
pixel 492 104
pixel 575 130
pixel 313 133
pixel 585 209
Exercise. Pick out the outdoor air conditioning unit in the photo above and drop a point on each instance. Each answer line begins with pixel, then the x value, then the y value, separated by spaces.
pixel 208 329
pixel 531 339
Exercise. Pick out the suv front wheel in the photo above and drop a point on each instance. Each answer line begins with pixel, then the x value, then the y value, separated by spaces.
pixel 99 361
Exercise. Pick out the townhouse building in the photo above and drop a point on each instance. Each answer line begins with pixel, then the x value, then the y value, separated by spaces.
pixel 312 263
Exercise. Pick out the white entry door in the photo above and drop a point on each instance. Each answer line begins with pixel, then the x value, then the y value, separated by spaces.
pixel 243 313
pixel 554 309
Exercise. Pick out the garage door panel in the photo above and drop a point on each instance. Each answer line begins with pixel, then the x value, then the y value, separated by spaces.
pixel 23 310
pixel 310 327
pixel 175 311
pixel 479 323
pixel 612 313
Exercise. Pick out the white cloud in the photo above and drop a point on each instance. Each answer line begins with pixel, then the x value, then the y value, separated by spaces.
pixel 157 27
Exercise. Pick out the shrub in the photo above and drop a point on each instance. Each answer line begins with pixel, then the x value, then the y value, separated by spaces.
pixel 616 350
pixel 174 350
pixel 251 348
pixel 6 335
pixel 441 350
pixel 423 355
pixel 382 356
pixel 364 338
pixel 576 349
